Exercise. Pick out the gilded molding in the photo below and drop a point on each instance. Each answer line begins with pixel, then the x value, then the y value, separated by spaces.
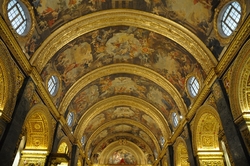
pixel 122 100
pixel 122 68
pixel 128 17
pixel 124 121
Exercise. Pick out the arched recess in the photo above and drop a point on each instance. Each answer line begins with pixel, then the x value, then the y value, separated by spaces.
pixel 38 127
pixel 125 146
pixel 240 84
pixel 206 143
pixel 62 155
pixel 239 92
pixel 180 153
pixel 10 82
pixel 64 146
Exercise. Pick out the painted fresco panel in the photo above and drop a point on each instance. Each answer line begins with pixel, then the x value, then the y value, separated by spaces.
pixel 196 15
pixel 123 112
pixel 122 84
pixel 140 143
pixel 122 128
pixel 122 156
pixel 123 45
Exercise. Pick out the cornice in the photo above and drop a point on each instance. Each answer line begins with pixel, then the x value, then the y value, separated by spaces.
pixel 126 17
pixel 122 68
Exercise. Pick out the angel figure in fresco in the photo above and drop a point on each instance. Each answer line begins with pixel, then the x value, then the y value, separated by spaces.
pixel 50 15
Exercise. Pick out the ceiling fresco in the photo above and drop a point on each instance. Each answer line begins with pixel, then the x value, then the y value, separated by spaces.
pixel 122 84
pixel 120 137
pixel 123 81
pixel 195 15
pixel 123 45
pixel 123 112
pixel 122 156
pixel 123 128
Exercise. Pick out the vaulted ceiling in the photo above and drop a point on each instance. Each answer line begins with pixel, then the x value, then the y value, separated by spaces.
pixel 123 66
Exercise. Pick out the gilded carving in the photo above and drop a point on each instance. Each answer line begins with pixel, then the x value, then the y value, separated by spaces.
pixel 39 127
pixel 181 154
pixel 207 141
pixel 212 163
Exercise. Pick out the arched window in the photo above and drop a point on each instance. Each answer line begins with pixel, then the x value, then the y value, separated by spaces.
pixel 18 15
pixel 53 85
pixel 193 86
pixel 70 119
pixel 175 119
pixel 230 17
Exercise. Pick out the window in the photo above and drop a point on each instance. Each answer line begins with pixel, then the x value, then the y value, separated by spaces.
pixel 83 140
pixel 18 15
pixel 70 119
pixel 175 119
pixel 230 18
pixel 53 85
pixel 193 86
